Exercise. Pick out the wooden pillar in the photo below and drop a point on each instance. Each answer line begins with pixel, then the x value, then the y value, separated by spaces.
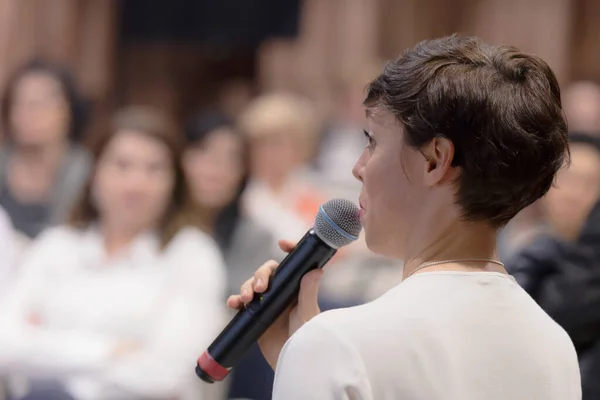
pixel 542 27
pixel 335 36
pixel 405 23
pixel 57 33
pixel 585 41
pixel 7 14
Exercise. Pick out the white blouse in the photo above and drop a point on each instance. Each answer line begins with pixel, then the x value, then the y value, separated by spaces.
pixel 7 250
pixel 438 335
pixel 73 306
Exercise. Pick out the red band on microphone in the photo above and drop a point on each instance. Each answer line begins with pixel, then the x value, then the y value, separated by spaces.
pixel 212 368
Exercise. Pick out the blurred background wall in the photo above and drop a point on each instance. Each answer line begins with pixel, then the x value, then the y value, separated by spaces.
pixel 181 54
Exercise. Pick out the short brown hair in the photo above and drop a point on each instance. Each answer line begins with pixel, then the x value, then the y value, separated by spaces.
pixel 501 109
pixel 156 125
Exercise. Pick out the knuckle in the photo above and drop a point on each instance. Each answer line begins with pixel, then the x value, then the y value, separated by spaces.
pixel 246 285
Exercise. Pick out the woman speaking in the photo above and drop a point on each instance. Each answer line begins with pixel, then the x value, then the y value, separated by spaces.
pixel 461 137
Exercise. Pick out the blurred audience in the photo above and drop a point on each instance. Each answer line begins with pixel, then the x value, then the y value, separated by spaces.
pixel 282 130
pixel 42 168
pixel 119 303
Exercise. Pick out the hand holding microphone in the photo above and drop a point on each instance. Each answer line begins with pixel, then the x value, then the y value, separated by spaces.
pixel 272 341
pixel 280 298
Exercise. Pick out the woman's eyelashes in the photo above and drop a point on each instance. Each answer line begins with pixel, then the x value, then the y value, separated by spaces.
pixel 370 140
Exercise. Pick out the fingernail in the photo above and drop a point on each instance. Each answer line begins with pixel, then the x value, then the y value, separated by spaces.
pixel 258 284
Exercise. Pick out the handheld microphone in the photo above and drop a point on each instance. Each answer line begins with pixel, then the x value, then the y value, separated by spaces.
pixel 336 224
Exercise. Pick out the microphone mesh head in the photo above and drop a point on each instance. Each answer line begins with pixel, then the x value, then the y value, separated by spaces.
pixel 337 223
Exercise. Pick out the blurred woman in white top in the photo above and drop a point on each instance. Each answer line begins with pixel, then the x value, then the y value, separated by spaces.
pixel 119 303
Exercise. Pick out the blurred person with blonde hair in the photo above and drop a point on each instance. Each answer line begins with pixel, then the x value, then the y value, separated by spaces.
pixel 116 304
pixel 282 130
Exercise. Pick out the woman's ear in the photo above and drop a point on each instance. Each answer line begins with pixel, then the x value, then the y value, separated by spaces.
pixel 439 154
pixel 431 165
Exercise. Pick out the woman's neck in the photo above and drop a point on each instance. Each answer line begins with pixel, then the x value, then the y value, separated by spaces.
pixel 461 244
pixel 32 170
pixel 276 184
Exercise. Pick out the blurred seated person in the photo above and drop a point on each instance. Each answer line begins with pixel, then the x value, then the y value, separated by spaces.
pixel 216 165
pixel 282 131
pixel 119 303
pixel 42 166
pixel 577 188
pixel 561 269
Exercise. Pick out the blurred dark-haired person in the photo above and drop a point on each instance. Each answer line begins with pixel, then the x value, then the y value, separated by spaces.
pixel 461 136
pixel 117 304
pixel 561 269
pixel 215 162
pixel 216 165
pixel 42 166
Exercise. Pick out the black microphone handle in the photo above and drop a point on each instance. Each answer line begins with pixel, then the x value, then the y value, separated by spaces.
pixel 251 322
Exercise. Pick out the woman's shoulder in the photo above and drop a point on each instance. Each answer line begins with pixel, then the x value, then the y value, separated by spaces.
pixel 53 249
pixel 5 222
pixel 61 240
pixel 193 240
pixel 193 236
pixel 60 234
pixel 195 254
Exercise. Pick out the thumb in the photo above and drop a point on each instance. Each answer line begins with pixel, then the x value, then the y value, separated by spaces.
pixel 308 306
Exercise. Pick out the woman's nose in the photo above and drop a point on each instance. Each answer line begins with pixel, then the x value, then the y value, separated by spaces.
pixel 357 171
